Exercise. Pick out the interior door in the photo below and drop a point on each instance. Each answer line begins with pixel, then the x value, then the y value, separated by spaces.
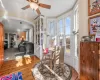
pixel 1 44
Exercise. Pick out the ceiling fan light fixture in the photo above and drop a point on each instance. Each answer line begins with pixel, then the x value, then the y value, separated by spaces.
pixel 34 5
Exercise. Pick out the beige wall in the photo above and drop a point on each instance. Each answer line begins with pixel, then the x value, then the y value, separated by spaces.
pixel 83 18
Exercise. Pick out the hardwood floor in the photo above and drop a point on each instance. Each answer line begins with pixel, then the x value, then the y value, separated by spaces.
pixel 10 67
pixel 13 66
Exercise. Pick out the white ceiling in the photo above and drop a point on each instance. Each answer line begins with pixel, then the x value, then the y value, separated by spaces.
pixel 13 8
pixel 57 7
pixel 12 25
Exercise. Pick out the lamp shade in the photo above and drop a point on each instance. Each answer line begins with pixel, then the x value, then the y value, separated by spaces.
pixel 33 5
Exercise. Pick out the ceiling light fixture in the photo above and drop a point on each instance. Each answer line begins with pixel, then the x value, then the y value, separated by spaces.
pixel 18 30
pixel 5 17
pixel 33 5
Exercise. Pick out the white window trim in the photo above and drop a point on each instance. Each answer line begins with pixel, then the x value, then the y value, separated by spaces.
pixel 76 28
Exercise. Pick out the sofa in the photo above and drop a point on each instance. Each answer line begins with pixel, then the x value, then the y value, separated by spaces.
pixel 26 47
pixel 29 48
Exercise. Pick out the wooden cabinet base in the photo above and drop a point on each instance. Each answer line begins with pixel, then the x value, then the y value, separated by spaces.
pixel 89 60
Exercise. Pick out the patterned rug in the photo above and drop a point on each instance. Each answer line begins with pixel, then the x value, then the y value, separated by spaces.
pixel 14 76
pixel 43 72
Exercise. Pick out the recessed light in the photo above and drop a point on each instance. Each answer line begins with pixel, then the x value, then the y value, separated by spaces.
pixel 18 30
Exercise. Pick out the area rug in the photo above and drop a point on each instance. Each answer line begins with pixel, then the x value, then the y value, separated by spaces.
pixel 14 76
pixel 41 72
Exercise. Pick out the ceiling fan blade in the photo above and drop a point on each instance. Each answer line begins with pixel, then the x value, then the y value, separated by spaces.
pixel 45 5
pixel 26 7
pixel 38 11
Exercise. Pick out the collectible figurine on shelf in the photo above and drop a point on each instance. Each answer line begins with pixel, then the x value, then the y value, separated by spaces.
pixel 95 5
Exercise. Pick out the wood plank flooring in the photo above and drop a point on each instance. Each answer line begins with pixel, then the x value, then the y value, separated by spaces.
pixel 11 67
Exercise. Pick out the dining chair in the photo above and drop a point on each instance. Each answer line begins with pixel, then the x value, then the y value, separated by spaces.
pixel 59 59
pixel 47 59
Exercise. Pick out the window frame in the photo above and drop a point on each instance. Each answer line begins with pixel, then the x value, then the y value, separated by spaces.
pixel 68 35
pixel 59 34
pixel 52 27
pixel 60 27
pixel 76 28
pixel 51 35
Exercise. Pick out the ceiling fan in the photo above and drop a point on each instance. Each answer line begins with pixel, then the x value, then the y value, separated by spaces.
pixel 34 4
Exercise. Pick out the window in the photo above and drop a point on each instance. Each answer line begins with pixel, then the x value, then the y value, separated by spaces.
pixel 67 34
pixel 76 28
pixel 61 27
pixel 68 24
pixel 51 33
pixel 60 32
pixel 52 28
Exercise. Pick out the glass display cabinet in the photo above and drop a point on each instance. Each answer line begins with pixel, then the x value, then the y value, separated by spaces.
pixel 39 36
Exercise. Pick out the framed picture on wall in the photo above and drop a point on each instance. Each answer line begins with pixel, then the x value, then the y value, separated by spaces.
pixel 93 7
pixel 94 24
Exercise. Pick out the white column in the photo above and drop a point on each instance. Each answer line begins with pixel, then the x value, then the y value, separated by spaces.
pixel 31 35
